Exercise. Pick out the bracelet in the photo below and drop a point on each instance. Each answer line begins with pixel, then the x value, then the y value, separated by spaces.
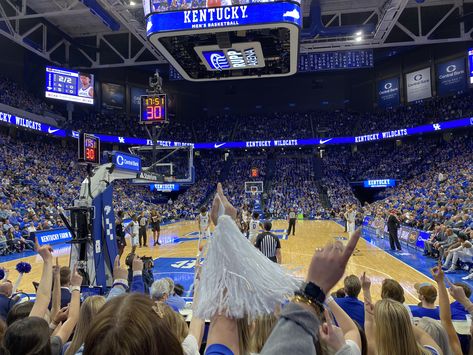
pixel 53 325
pixel 137 273
pixel 317 306
pixel 75 288
pixel 125 286
pixel 121 281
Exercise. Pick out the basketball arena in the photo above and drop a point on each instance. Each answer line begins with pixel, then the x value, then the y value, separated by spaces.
pixel 236 177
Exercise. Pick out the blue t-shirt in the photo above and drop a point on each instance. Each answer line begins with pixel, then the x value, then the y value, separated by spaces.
pixel 420 312
pixel 354 308
pixel 218 349
pixel 458 311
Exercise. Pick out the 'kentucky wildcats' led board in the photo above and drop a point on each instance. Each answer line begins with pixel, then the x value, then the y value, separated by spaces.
pixel 226 39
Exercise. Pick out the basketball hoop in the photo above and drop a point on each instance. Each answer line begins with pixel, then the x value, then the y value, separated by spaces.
pixel 253 191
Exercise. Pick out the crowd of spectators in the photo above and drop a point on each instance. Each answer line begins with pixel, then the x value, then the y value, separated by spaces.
pixel 314 318
pixel 293 186
pixel 13 94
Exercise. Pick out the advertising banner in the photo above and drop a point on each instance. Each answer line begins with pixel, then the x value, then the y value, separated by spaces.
pixel 418 85
pixel 389 93
pixel 451 77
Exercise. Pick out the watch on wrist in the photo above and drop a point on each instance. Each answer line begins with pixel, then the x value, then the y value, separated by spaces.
pixel 313 292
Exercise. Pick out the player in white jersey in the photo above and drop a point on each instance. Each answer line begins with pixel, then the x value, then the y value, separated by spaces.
pixel 86 86
pixel 245 220
pixel 254 227
pixel 350 216
pixel 133 229
pixel 203 220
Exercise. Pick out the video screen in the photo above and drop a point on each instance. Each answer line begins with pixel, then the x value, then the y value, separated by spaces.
pixel 177 5
pixel 135 98
pixel 113 96
pixel 69 85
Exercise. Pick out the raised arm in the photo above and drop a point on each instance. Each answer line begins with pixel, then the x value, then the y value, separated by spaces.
pixel 43 295
pixel 56 297
pixel 370 325
pixel 445 312
pixel 347 325
pixel 196 327
pixel 297 329
pixel 74 308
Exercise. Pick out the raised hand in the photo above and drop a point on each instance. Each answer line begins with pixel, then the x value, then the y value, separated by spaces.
pixel 56 268
pixel 118 271
pixel 221 198
pixel 61 315
pixel 328 265
pixel 331 334
pixel 76 279
pixel 437 273
pixel 46 253
pixel 365 282
pixel 137 264
pixel 457 292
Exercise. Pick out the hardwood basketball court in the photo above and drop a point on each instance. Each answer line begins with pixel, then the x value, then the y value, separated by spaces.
pixel 297 252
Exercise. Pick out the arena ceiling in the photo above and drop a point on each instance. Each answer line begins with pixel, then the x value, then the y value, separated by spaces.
pixel 111 33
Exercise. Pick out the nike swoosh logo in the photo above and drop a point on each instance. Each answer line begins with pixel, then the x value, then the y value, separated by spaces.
pixel 52 130
pixel 323 141
pixel 219 145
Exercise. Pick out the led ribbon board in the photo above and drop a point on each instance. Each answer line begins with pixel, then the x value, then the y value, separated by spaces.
pixel 20 122
pixel 379 183
pixel 257 39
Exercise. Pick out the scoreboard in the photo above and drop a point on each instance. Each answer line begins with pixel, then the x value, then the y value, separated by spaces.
pixel 153 109
pixel 68 85
pixel 89 149
pixel 310 62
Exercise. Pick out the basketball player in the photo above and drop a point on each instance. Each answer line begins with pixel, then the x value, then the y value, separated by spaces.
pixel 245 219
pixel 350 216
pixel 204 223
pixel 86 89
pixel 254 227
pixel 133 228
pixel 155 219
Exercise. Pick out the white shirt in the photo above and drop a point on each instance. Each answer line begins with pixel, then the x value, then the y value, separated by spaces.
pixel 204 220
pixel 254 226
pixel 190 346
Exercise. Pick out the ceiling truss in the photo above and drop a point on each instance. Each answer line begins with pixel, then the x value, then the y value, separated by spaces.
pixel 392 30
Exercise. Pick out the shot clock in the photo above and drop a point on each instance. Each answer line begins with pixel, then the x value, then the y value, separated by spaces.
pixel 89 149
pixel 153 109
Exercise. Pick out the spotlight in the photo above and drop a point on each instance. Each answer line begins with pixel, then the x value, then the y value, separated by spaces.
pixel 359 33
pixel 358 39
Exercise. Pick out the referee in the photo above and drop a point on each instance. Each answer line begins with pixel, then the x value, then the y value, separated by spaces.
pixel 292 222
pixel 269 244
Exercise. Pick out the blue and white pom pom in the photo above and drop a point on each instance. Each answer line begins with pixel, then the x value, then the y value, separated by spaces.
pixel 23 268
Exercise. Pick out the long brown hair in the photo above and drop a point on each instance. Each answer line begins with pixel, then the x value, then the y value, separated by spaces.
pixel 131 324
pixel 394 333
pixel 88 311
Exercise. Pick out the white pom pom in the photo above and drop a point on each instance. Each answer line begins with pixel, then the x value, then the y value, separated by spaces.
pixel 237 280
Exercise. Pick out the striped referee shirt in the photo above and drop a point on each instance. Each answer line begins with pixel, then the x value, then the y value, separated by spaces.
pixel 267 243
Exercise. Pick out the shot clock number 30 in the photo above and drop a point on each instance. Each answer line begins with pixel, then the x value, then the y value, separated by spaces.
pixel 89 149
pixel 153 109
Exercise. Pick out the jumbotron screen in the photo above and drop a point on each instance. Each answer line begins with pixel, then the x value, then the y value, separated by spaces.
pixel 69 85
pixel 181 5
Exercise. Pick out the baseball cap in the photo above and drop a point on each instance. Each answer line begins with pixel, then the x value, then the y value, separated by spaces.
pixel 426 289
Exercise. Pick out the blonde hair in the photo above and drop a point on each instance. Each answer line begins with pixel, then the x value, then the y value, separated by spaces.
pixel 263 326
pixel 394 333
pixel 88 310
pixel 435 329
pixel 175 321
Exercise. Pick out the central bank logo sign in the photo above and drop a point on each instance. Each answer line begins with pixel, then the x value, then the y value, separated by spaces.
pixel 239 56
